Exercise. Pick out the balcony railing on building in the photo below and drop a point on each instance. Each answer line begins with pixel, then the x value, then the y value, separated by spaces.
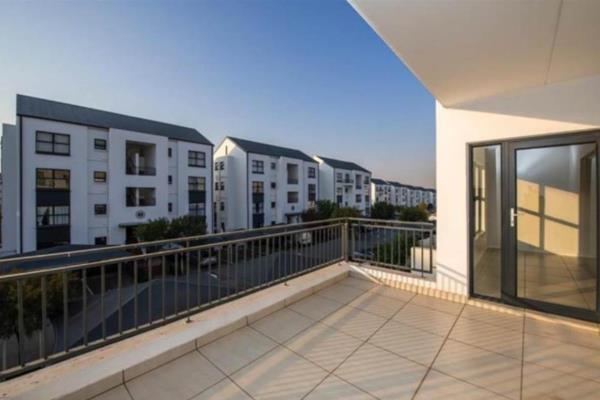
pixel 53 313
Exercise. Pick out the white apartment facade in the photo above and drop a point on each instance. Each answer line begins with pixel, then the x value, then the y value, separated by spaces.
pixel 399 194
pixel 345 183
pixel 381 191
pixel 258 184
pixel 76 175
pixel 517 92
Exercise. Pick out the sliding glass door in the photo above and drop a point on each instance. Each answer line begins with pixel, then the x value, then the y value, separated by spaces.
pixel 534 223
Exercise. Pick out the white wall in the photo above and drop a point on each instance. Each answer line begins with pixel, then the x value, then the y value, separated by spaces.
pixel 565 107
pixel 10 189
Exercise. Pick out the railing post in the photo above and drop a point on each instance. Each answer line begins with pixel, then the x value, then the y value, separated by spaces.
pixel 345 244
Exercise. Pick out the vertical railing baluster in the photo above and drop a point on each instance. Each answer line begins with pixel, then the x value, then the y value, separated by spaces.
pixel 102 291
pixel 84 295
pixel 119 296
pixel 267 261
pixel 219 275
pixel 176 283
pixel 198 278
pixel 44 316
pixel 150 261
pixel 209 275
pixel 20 321
pixel 163 293
pixel 187 281
pixel 135 294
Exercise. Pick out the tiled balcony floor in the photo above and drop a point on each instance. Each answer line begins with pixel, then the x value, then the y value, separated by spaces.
pixel 358 340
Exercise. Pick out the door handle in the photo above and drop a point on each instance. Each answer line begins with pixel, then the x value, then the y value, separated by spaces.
pixel 513 215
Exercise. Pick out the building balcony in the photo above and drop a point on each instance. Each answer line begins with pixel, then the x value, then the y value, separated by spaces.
pixel 328 321
pixel 140 170
pixel 292 181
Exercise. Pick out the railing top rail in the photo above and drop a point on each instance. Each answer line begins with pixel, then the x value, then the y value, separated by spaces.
pixel 113 261
pixel 95 250
pixel 392 222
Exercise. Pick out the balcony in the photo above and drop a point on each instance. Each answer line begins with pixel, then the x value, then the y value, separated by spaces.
pixel 299 321
pixel 140 159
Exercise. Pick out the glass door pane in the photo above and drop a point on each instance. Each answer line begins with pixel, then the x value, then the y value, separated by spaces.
pixel 487 230
pixel 556 224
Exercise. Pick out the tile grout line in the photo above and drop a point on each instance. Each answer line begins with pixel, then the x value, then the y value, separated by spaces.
pixel 438 353
pixel 332 372
pixel 522 358
pixel 226 376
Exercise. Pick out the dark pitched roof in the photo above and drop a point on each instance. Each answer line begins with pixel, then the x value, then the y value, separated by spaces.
pixel 378 181
pixel 47 109
pixel 343 164
pixel 269 149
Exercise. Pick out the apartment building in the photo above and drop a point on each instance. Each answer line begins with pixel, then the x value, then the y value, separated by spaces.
pixel 77 175
pixel 381 191
pixel 345 183
pixel 258 184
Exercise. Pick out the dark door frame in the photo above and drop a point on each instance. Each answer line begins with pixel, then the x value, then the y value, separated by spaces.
pixel 508 150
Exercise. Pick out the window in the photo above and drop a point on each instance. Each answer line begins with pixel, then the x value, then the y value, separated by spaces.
pixel 99 176
pixel 312 172
pixel 100 209
pixel 312 192
pixel 196 159
pixel 170 152
pixel 292 197
pixel 258 167
pixel 219 165
pixel 170 179
pixel 273 204
pixel 53 178
pixel 339 177
pixel 216 186
pixel 170 207
pixel 197 209
pixel 100 240
pixel 140 197
pixel 52 143
pixel 367 180
pixel 273 166
pixel 366 198
pixel 222 206
pixel 259 208
pixel 53 215
pixel 358 198
pixel 257 187
pixel 273 185
pixel 100 144
pixel 197 183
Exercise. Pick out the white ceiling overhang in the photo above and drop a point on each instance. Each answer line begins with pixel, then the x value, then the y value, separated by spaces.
pixel 464 50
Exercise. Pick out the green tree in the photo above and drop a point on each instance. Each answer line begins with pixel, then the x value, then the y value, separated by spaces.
pixel 345 212
pixel 395 252
pixel 413 214
pixel 323 210
pixel 381 210
pixel 163 228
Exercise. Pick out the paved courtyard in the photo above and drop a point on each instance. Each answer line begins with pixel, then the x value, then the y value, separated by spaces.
pixel 358 340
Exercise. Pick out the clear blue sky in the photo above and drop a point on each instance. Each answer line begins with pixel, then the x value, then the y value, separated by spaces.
pixel 309 74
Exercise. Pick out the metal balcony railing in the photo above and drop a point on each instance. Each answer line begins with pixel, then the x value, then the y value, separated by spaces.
pixel 53 313
pixel 140 170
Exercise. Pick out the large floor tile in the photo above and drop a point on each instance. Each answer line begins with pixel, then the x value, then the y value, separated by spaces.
pixel 556 329
pixel 565 357
pixel 235 350
pixel 409 342
pixel 316 307
pixel 334 388
pixel 282 325
pixel 544 383
pixel 359 283
pixel 325 346
pixel 394 293
pixel 279 374
pixel 354 322
pixel 380 305
pixel 489 337
pixel 438 386
pixel 224 390
pixel 506 320
pixel 343 294
pixel 118 393
pixel 442 305
pixel 180 379
pixel 491 371
pixel 381 373
pixel 427 319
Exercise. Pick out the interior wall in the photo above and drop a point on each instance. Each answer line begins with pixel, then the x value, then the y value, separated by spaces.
pixel 565 107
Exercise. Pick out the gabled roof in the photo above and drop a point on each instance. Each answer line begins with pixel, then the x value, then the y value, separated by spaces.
pixel 28 106
pixel 378 181
pixel 269 149
pixel 343 164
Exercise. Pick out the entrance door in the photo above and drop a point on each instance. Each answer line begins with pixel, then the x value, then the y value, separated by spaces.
pixel 552 225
